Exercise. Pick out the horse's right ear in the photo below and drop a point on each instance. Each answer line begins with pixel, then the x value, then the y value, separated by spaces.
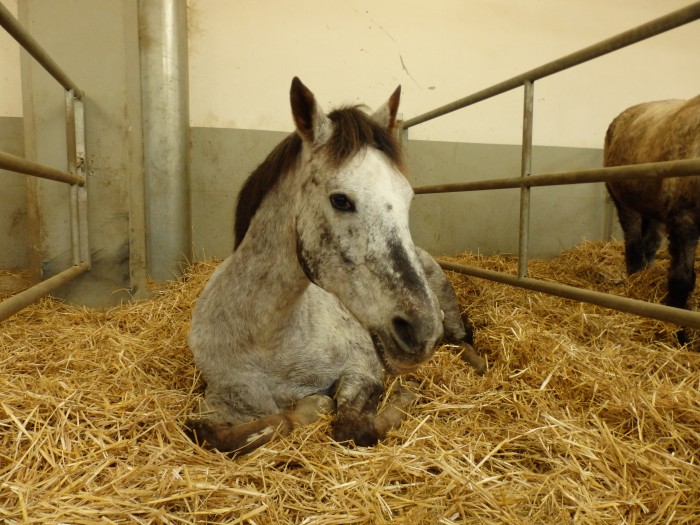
pixel 311 123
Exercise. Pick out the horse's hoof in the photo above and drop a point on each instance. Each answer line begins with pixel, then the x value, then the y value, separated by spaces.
pixel 199 431
pixel 360 438
pixel 469 356
pixel 310 408
pixel 360 432
pixel 401 397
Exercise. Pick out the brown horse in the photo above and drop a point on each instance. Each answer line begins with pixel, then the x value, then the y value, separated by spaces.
pixel 653 132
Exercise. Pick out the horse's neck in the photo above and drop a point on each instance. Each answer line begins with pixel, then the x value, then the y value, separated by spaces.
pixel 268 277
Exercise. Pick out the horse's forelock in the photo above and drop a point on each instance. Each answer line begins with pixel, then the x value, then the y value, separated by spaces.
pixel 353 130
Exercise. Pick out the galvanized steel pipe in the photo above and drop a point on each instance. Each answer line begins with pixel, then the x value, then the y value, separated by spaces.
pixel 165 106
pixel 622 304
pixel 28 167
pixel 651 170
pixel 525 169
pixel 29 43
pixel 22 299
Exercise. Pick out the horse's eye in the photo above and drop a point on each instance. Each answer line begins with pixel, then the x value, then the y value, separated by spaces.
pixel 341 202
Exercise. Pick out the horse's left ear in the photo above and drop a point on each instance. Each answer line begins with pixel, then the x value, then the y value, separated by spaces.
pixel 312 124
pixel 385 116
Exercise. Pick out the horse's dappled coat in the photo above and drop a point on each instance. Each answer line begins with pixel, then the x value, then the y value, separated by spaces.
pixel 324 289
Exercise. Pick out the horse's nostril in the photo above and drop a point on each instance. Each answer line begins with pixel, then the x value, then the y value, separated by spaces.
pixel 404 332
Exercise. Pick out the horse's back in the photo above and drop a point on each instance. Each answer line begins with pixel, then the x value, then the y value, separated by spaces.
pixel 656 131
pixel 653 132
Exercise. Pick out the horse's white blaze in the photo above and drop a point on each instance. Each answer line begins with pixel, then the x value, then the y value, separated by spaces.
pixel 372 252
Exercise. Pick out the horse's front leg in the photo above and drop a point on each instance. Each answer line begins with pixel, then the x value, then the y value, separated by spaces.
pixel 357 399
pixel 242 438
pixel 357 419
pixel 457 328
pixel 394 413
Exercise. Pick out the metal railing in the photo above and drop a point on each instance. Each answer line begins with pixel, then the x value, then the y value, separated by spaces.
pixel 75 176
pixel 681 168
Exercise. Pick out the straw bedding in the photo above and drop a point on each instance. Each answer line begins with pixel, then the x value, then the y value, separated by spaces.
pixel 585 416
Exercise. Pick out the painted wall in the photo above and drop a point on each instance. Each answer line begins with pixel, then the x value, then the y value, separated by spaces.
pixel 13 195
pixel 443 224
pixel 10 79
pixel 243 55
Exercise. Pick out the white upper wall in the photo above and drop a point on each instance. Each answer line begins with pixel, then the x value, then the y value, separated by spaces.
pixel 243 55
pixel 10 79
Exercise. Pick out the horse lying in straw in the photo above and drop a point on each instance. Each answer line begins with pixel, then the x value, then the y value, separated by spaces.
pixel 324 289
pixel 653 132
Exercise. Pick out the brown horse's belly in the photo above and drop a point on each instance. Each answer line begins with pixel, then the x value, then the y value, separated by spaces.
pixel 643 196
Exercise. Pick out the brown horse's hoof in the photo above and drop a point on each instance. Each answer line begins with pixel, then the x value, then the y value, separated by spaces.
pixel 197 431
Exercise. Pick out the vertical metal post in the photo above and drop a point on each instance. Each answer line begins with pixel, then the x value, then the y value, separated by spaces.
pixel 402 133
pixel 608 217
pixel 165 106
pixel 82 190
pixel 75 142
pixel 72 163
pixel 525 170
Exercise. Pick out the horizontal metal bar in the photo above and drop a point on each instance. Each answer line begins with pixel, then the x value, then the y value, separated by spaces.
pixel 22 299
pixel 28 167
pixel 637 34
pixel 28 42
pixel 651 170
pixel 623 304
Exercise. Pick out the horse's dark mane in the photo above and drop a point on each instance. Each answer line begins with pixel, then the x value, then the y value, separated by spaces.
pixel 353 130
pixel 278 163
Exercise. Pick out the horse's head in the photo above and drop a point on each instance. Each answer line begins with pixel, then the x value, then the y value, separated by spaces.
pixel 352 232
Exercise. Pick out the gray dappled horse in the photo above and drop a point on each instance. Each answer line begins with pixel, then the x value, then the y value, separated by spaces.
pixel 324 289
pixel 653 132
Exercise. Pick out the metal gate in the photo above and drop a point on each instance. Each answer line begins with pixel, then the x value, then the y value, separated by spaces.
pixel 75 176
pixel 680 168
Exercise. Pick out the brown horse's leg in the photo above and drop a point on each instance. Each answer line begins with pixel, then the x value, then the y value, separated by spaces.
pixel 245 437
pixel 636 256
pixel 651 240
pixel 357 399
pixel 682 243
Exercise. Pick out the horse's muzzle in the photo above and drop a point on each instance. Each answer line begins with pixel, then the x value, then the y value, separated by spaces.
pixel 407 342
